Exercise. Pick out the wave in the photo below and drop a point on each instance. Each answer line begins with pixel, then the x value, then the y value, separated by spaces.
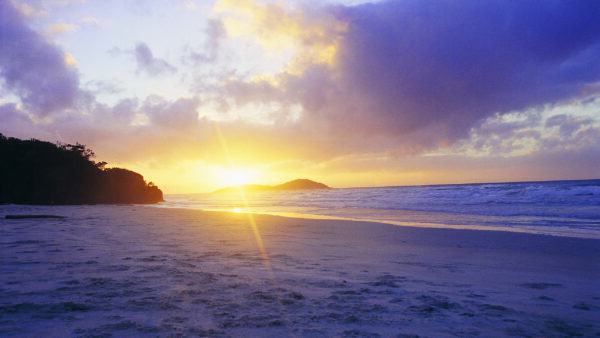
pixel 522 205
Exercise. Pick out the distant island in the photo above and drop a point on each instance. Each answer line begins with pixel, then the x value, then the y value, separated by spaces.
pixel 38 172
pixel 299 184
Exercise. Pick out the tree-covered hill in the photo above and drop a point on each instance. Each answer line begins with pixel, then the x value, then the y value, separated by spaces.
pixel 38 172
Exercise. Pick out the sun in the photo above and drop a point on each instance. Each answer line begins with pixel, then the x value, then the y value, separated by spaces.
pixel 235 177
pixel 238 177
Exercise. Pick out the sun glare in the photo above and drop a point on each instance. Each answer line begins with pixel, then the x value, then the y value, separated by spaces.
pixel 235 177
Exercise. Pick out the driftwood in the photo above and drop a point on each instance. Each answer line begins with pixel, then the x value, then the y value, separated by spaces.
pixel 31 216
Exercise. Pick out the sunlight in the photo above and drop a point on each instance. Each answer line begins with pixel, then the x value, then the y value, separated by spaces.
pixel 237 210
pixel 235 174
pixel 234 177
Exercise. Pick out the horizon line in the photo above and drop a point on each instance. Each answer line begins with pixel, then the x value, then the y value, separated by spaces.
pixel 405 185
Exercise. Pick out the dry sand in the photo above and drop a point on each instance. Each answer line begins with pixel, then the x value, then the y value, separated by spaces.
pixel 134 270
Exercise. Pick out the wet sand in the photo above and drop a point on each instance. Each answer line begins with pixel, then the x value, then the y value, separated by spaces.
pixel 135 270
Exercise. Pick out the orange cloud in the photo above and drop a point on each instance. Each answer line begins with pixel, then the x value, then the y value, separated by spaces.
pixel 310 36
pixel 60 28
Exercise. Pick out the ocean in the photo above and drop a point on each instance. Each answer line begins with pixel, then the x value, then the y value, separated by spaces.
pixel 559 208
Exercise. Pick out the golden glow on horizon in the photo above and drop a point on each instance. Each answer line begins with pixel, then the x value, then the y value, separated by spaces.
pixel 232 176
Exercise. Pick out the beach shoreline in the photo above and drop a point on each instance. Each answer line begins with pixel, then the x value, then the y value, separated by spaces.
pixel 543 231
pixel 133 270
pixel 557 208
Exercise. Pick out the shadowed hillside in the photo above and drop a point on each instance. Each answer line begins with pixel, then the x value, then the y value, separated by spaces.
pixel 38 172
pixel 299 184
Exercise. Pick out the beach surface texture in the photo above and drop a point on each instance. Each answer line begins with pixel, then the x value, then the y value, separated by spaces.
pixel 146 271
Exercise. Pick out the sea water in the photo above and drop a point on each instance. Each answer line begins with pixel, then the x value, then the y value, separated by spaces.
pixel 563 208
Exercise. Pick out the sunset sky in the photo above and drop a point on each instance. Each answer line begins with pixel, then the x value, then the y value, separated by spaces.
pixel 197 95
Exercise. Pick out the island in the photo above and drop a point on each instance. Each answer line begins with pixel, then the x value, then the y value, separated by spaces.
pixel 298 184
pixel 44 173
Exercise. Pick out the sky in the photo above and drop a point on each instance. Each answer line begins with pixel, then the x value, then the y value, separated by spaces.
pixel 197 95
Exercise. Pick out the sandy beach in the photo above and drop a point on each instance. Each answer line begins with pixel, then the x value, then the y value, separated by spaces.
pixel 136 270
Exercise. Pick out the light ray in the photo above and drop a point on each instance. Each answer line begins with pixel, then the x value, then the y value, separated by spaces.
pixel 257 237
pixel 255 231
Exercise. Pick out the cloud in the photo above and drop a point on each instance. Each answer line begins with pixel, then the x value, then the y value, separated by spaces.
pixel 12 117
pixel 58 3
pixel 29 11
pixel 568 125
pixel 146 62
pixel 188 4
pixel 312 34
pixel 60 28
pixel 90 20
pixel 104 87
pixel 418 75
pixel 215 32
pixel 180 115
pixel 33 68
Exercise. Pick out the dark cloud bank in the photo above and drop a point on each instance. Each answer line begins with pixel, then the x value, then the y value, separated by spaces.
pixel 439 67
pixel 33 68
pixel 426 72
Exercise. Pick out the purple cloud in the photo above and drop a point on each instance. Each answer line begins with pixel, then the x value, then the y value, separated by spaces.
pixel 422 74
pixel 567 124
pixel 423 64
pixel 33 68
pixel 12 118
pixel 146 61
pixel 215 32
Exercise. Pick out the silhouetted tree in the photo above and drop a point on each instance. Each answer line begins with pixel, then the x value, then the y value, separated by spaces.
pixel 38 172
